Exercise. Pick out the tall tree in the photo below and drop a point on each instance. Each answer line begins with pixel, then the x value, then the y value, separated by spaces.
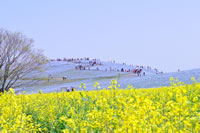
pixel 18 59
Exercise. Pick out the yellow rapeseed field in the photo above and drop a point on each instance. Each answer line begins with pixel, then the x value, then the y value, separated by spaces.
pixel 112 110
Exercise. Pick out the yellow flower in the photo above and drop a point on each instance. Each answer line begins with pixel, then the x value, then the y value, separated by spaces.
pixel 195 99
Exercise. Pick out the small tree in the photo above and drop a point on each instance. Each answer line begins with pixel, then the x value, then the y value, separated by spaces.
pixel 17 59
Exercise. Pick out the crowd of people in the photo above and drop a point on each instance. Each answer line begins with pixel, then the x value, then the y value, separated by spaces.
pixel 138 70
pixel 75 60
pixel 89 64
pixel 68 89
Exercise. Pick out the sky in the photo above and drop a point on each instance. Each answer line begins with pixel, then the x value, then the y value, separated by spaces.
pixel 163 34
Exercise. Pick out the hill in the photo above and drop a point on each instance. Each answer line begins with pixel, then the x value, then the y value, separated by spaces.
pixel 51 79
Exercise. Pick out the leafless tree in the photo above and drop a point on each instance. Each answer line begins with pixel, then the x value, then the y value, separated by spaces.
pixel 18 59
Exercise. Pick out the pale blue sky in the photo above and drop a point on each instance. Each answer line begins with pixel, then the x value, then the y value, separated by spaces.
pixel 160 33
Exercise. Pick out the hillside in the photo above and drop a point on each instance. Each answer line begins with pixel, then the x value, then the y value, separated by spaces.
pixel 102 72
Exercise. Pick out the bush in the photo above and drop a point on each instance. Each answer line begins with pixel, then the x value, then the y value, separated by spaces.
pixel 165 109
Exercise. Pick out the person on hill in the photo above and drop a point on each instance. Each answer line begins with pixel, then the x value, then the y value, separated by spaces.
pixel 72 88
pixel 64 78
pixel 135 70
pixel 50 76
pixel 139 72
pixel 67 89
pixel 143 73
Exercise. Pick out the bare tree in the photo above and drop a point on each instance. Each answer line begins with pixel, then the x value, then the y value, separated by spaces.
pixel 17 59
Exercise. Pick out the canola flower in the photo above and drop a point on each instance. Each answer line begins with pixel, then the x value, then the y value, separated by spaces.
pixel 112 110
